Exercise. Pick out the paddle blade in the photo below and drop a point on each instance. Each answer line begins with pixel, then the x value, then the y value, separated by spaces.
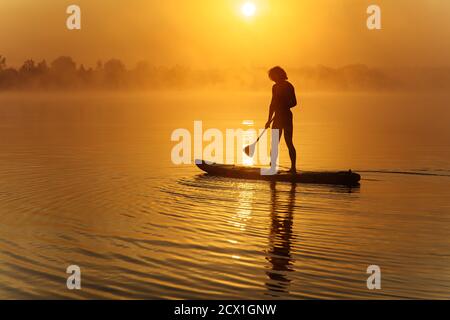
pixel 250 150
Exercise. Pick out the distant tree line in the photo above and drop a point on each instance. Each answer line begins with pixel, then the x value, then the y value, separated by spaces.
pixel 64 74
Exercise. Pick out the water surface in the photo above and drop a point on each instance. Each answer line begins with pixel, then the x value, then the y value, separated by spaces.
pixel 88 180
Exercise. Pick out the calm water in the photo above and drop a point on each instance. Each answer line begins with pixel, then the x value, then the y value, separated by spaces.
pixel 88 181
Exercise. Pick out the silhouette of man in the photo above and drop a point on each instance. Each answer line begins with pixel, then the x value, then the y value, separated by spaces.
pixel 283 99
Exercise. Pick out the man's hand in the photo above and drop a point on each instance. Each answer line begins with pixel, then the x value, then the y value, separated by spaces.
pixel 268 124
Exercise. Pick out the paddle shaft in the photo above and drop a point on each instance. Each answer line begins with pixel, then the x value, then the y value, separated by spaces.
pixel 265 129
pixel 248 149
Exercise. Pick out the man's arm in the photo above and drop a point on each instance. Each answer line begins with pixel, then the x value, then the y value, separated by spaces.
pixel 271 108
pixel 293 97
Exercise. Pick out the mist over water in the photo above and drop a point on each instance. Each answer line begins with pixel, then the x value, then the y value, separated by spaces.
pixel 64 73
pixel 87 179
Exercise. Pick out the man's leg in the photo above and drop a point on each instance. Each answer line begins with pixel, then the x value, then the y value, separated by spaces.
pixel 275 147
pixel 292 152
pixel 275 137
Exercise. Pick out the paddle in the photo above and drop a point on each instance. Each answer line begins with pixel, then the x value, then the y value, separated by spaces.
pixel 250 150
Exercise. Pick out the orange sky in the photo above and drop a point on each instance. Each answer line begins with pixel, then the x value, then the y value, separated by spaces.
pixel 214 33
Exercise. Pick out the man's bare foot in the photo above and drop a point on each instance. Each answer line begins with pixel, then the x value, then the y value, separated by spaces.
pixel 293 171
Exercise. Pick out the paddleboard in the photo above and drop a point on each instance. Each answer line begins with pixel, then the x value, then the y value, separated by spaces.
pixel 253 173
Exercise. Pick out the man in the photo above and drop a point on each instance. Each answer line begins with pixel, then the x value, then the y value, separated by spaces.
pixel 283 99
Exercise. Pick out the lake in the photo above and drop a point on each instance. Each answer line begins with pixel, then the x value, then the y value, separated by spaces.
pixel 87 180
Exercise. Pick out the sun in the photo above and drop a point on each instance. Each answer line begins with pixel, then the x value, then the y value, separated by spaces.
pixel 248 9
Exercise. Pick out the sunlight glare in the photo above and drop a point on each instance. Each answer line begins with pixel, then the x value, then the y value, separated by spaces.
pixel 247 161
pixel 248 9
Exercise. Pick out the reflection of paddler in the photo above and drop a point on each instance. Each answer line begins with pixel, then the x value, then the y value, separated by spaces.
pixel 280 239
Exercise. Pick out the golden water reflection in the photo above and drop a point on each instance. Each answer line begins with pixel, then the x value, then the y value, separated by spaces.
pixel 244 209
pixel 280 240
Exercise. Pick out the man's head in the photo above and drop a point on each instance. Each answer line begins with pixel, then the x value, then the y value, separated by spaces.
pixel 277 74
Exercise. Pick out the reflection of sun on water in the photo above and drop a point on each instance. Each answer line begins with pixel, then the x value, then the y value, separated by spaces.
pixel 244 209
pixel 242 215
